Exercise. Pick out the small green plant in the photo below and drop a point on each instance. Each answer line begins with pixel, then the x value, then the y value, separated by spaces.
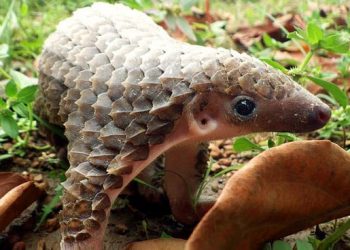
pixel 344 67
pixel 16 108
pixel 47 209
pixel 337 127
pixel 312 243
pixel 318 40
pixel 330 240
pixel 243 144
pixel 282 245
pixel 214 34
pixel 20 43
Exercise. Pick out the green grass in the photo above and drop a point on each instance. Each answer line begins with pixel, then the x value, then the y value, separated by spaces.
pixel 29 24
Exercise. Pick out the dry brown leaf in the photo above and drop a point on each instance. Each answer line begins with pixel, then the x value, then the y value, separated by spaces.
pixel 9 180
pixel 158 244
pixel 280 192
pixel 15 201
pixel 248 35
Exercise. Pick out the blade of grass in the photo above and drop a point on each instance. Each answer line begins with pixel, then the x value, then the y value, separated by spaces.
pixel 54 129
pixel 145 184
pixel 47 209
pixel 7 19
pixel 204 182
pixel 339 95
pixel 227 170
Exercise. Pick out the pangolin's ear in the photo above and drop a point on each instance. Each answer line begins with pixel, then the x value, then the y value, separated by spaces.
pixel 202 124
pixel 203 114
pixel 211 118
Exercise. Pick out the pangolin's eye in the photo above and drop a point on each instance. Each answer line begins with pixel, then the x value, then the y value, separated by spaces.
pixel 244 107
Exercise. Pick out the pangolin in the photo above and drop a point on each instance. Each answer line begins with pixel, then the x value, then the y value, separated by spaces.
pixel 126 93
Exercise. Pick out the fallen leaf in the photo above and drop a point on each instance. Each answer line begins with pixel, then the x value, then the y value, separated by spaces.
pixel 280 192
pixel 15 201
pixel 9 180
pixel 248 35
pixel 158 244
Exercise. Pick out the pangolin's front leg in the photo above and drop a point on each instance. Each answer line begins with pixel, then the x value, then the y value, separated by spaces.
pixel 178 175
pixel 185 165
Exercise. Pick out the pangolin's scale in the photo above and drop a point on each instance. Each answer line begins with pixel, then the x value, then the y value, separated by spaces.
pixel 118 82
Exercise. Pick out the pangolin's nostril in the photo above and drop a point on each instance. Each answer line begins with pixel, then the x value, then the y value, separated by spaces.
pixel 323 114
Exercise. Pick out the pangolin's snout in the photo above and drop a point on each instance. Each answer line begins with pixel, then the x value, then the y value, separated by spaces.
pixel 312 113
pixel 319 116
pixel 305 120
pixel 301 114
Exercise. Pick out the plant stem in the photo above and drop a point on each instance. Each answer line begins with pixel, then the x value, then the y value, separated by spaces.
pixel 271 17
pixel 207 8
pixel 30 116
pixel 333 238
pixel 307 59
pixel 145 184
pixel 4 73
pixel 204 182
pixel 7 19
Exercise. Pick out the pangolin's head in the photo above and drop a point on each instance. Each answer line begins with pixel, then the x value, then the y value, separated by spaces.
pixel 249 96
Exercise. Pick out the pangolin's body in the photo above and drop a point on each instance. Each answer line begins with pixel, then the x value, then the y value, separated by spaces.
pixel 126 92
